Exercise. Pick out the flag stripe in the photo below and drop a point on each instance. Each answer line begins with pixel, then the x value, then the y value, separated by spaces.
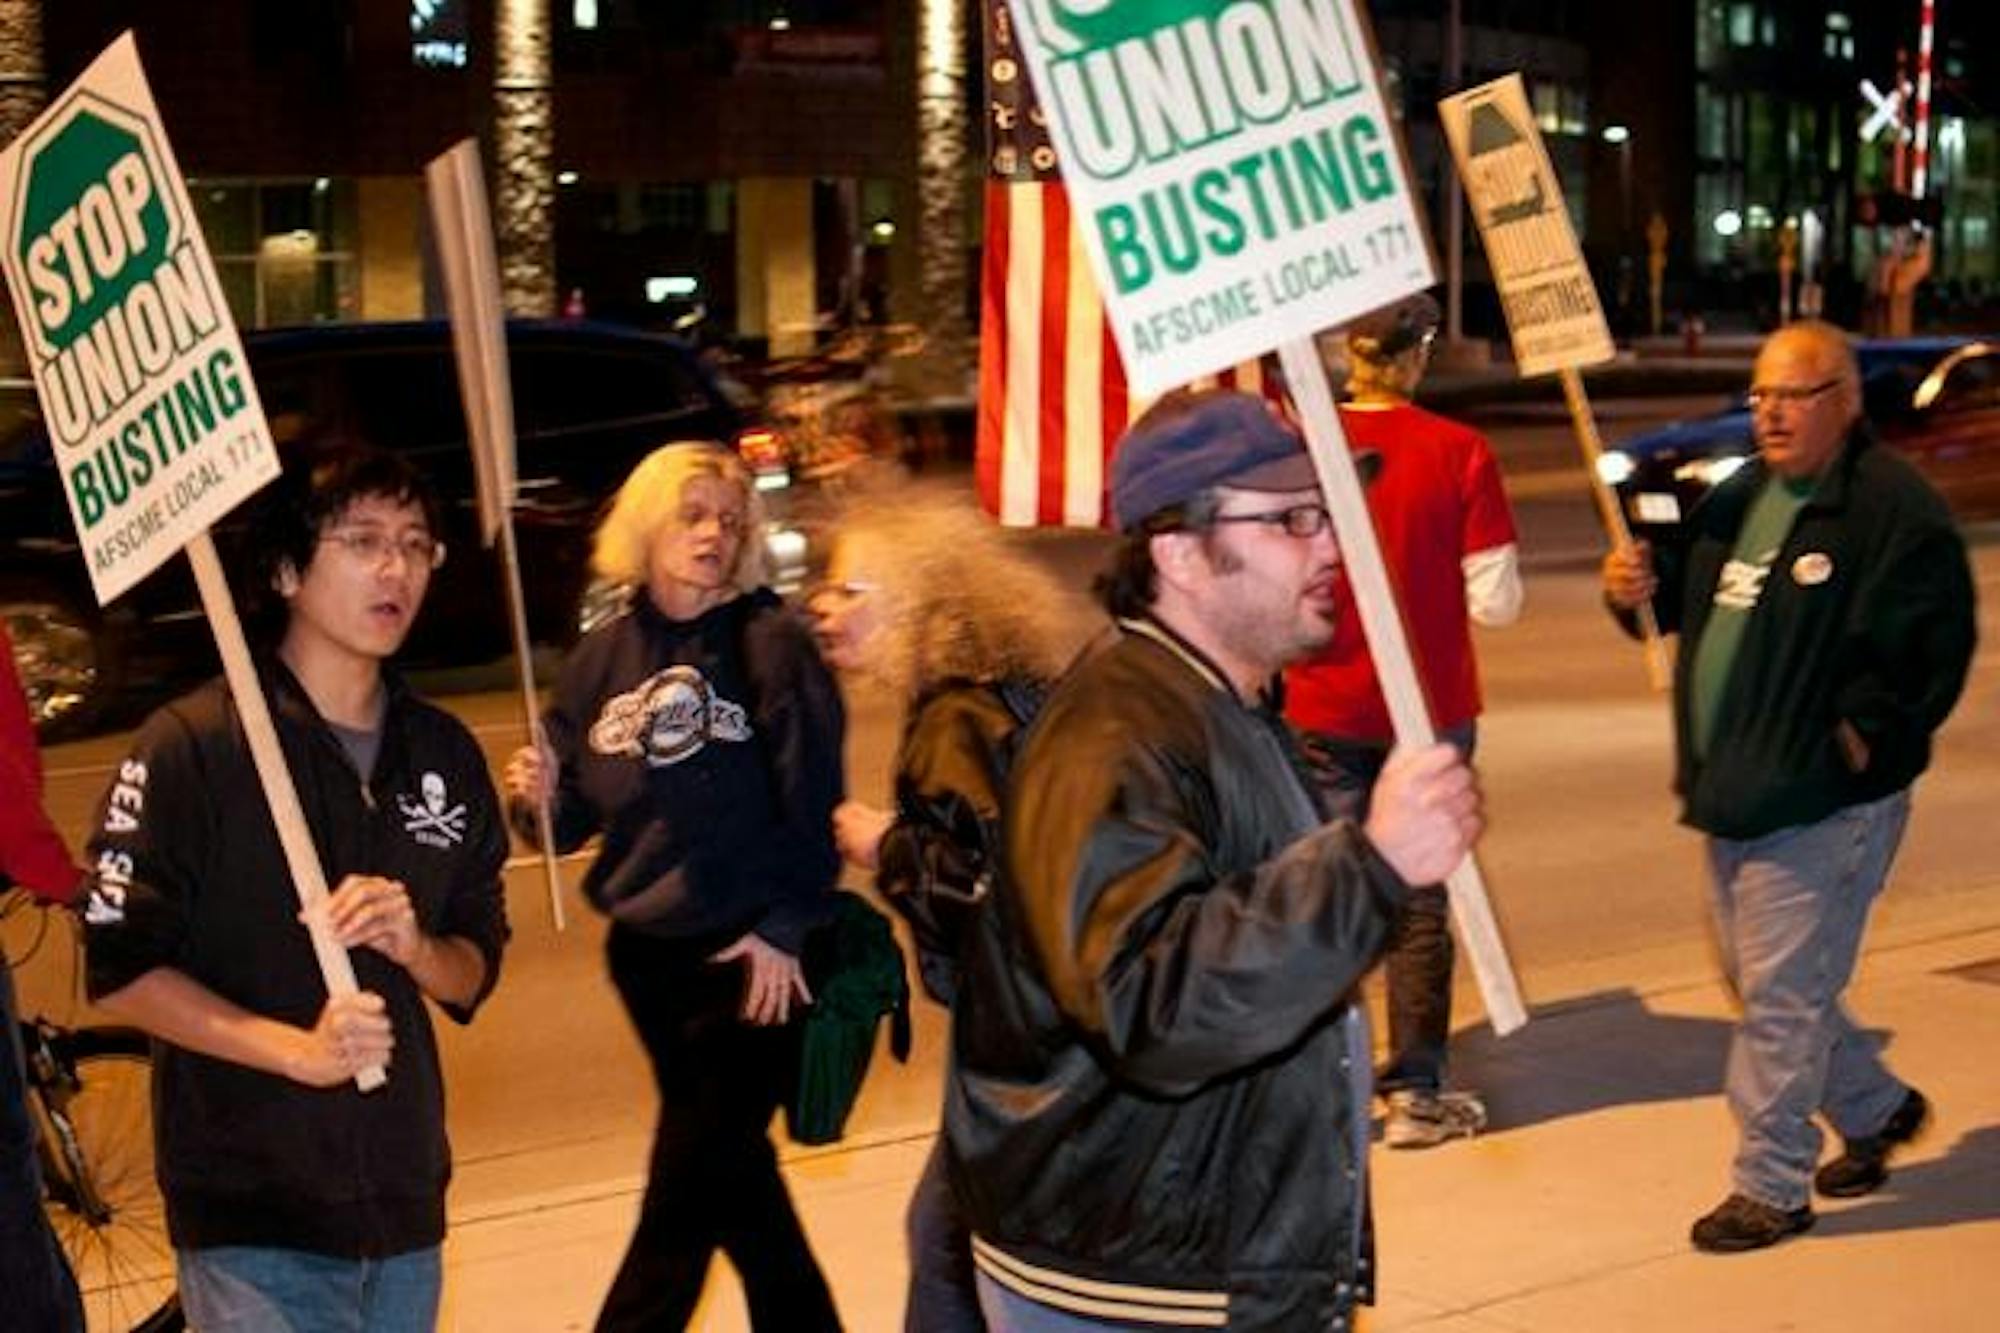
pixel 1023 444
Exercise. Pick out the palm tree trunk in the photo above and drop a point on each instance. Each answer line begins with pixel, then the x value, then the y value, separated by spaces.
pixel 524 144
pixel 941 183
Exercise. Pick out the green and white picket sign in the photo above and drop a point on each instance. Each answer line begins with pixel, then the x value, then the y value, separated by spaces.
pixel 1233 169
pixel 1239 185
pixel 153 418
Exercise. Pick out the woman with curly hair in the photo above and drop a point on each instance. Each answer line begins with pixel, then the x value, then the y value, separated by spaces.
pixel 923 597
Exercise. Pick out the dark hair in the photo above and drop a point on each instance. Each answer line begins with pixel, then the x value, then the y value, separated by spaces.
pixel 324 476
pixel 1131 583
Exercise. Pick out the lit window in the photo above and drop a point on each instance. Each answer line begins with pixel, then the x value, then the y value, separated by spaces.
pixel 1548 107
pixel 1742 25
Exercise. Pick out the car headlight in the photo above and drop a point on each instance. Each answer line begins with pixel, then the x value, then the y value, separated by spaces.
pixel 1615 467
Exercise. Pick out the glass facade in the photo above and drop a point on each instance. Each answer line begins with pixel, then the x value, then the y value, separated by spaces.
pixel 285 251
pixel 1779 109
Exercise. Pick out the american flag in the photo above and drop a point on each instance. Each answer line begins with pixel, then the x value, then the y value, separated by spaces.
pixel 1052 394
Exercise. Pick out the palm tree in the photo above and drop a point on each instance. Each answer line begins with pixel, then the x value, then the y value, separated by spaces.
pixel 23 92
pixel 941 184
pixel 524 149
pixel 23 81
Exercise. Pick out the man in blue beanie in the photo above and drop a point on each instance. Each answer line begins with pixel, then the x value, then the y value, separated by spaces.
pixel 1158 1109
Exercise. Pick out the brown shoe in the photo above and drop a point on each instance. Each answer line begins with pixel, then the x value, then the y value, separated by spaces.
pixel 1743 1223
pixel 1863 1164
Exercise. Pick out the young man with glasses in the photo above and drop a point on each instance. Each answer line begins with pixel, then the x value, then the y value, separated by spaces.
pixel 1826 614
pixel 1158 1107
pixel 294 1200
pixel 1447 536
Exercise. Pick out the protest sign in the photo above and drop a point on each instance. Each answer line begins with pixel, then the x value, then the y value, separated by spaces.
pixel 1517 202
pixel 152 415
pixel 463 224
pixel 1239 185
pixel 153 418
pixel 1545 287
pixel 1235 174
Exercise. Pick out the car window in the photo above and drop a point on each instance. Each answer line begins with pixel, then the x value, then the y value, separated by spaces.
pixel 288 388
pixel 565 389
pixel 402 398
pixel 21 434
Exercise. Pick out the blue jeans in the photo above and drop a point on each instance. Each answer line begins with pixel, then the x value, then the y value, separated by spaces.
pixel 1790 908
pixel 1419 959
pixel 36 1286
pixel 252 1289
pixel 943 1298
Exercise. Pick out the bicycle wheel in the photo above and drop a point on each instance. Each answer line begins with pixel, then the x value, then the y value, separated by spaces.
pixel 104 1201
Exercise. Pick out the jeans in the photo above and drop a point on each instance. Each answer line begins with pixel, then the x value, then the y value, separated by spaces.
pixel 1419 959
pixel 713 1181
pixel 254 1289
pixel 943 1297
pixel 1790 908
pixel 36 1285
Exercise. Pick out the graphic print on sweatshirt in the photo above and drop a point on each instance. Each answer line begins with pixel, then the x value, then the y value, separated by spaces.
pixel 431 817
pixel 667 718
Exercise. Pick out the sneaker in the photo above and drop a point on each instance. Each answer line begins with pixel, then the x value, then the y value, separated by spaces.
pixel 1743 1223
pixel 1864 1162
pixel 1419 1118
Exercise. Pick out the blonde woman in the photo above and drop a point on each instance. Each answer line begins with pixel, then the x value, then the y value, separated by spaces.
pixel 924 597
pixel 700 734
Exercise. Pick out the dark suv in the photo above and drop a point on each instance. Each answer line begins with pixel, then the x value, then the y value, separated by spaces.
pixel 589 402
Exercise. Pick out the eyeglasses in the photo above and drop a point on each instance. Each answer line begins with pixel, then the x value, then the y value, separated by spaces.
pixel 1307 520
pixel 1785 395
pixel 371 546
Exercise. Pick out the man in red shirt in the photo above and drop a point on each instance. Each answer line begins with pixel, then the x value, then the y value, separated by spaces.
pixel 1448 539
pixel 40 1292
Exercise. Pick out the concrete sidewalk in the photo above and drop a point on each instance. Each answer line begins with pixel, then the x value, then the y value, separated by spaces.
pixel 1609 1136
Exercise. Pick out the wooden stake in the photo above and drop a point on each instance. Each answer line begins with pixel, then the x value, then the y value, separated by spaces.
pixel 1368 577
pixel 308 878
pixel 1659 672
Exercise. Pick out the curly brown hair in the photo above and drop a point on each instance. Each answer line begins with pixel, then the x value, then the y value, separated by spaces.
pixel 958 602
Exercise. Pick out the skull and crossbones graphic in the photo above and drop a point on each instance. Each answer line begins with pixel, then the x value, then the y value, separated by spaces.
pixel 426 817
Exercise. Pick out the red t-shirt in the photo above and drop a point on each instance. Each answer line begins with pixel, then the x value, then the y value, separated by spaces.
pixel 31 851
pixel 1436 500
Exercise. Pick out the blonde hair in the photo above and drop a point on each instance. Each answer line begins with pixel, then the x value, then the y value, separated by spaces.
pixel 956 602
pixel 649 503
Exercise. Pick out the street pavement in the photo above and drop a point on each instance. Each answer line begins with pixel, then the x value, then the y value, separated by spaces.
pixel 1568 1215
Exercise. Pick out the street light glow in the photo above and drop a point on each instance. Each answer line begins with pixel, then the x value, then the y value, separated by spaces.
pixel 1616 134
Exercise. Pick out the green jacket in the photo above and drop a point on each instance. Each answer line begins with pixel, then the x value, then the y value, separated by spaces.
pixel 1868 617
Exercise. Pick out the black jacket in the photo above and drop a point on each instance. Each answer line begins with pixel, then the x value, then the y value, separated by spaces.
pixel 1867 617
pixel 707 752
pixel 937 860
pixel 188 874
pixel 1160 1084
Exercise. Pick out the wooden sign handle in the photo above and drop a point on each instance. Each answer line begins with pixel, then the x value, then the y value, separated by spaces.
pixel 308 878
pixel 1388 645
pixel 1659 673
